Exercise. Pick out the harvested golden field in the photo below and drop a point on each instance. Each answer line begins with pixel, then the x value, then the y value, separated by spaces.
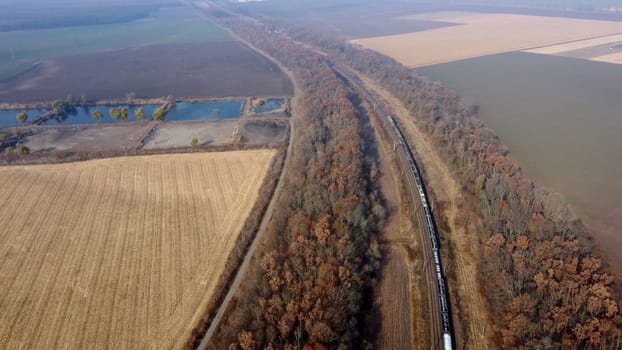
pixel 482 34
pixel 119 253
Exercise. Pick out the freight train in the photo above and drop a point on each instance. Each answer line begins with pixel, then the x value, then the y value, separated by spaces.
pixel 433 235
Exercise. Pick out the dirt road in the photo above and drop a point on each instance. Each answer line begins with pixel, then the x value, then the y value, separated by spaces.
pixel 241 273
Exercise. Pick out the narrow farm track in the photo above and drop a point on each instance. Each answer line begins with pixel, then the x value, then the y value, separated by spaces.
pixel 119 253
pixel 261 231
pixel 395 303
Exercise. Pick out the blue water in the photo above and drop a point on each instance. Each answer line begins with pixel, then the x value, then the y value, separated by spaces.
pixel 205 110
pixel 269 105
pixel 83 115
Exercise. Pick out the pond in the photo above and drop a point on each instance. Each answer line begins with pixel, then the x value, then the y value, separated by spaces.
pixel 83 115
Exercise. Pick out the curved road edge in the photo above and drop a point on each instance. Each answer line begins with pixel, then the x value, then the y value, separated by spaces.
pixel 241 273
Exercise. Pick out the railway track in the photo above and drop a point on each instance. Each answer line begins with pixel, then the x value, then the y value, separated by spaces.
pixel 441 333
pixel 433 267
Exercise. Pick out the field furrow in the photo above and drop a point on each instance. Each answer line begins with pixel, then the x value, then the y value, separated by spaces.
pixel 31 258
pixel 118 253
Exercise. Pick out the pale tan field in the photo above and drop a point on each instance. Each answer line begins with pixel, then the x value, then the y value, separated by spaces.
pixel 119 253
pixel 576 45
pixel 483 34
pixel 590 49
pixel 611 58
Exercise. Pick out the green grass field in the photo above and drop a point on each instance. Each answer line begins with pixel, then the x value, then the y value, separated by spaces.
pixel 20 49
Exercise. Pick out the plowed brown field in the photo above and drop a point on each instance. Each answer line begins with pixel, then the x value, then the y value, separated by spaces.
pixel 119 253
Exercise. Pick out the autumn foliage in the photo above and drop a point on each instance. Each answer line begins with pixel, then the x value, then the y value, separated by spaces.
pixel 542 274
pixel 312 288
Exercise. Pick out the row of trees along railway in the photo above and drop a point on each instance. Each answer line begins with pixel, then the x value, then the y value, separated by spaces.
pixel 441 333
pixel 543 278
pixel 312 283
pixel 546 284
pixel 440 324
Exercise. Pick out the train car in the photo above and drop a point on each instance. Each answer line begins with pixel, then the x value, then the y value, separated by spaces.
pixel 438 267
pixel 447 341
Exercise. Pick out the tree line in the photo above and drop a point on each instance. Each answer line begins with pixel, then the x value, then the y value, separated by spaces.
pixel 312 292
pixel 62 108
pixel 540 267
pixel 543 276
